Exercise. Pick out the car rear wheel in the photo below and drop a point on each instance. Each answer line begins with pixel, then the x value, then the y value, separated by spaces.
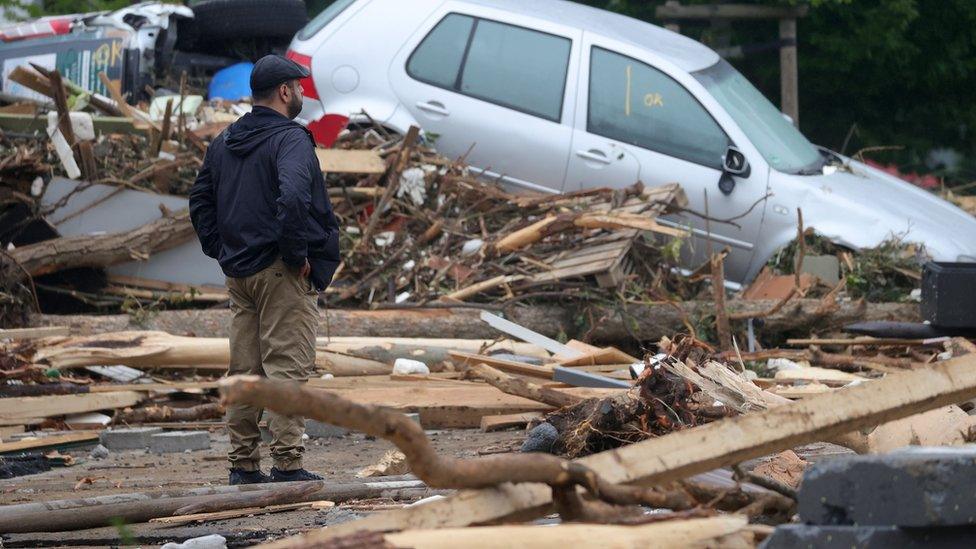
pixel 220 20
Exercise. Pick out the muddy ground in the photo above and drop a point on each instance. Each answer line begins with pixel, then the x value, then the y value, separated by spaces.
pixel 337 459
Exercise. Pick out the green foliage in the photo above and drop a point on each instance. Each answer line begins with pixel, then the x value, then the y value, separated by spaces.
pixel 887 273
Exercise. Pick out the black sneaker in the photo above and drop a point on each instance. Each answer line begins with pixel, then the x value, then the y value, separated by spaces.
pixel 297 475
pixel 240 476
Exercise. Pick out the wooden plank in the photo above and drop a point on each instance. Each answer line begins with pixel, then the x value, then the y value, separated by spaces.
pixel 506 421
pixel 153 387
pixel 608 258
pixel 46 442
pixel 727 531
pixel 691 451
pixel 57 405
pixel 511 366
pixel 789 85
pixel 236 513
pixel 7 430
pixel 35 333
pixel 609 355
pixel 349 161
pixel 446 407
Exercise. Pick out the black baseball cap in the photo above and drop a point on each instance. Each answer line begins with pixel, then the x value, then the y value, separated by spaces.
pixel 272 70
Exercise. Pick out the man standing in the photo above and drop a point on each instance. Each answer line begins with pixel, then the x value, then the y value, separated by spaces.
pixel 260 207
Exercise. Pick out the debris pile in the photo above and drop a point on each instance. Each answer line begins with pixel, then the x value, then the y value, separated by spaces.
pixel 436 232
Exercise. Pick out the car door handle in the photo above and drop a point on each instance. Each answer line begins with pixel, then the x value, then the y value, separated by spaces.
pixel 594 155
pixel 434 107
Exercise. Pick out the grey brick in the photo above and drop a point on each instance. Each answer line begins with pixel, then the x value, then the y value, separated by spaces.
pixel 179 441
pixel 912 487
pixel 128 439
pixel 807 536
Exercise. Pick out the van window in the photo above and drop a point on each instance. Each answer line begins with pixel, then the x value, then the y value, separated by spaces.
pixel 437 60
pixel 324 18
pixel 511 66
pixel 637 104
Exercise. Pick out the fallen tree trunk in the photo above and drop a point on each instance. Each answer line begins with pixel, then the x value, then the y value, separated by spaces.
pixel 611 326
pixel 339 356
pixel 69 252
pixel 77 514
pixel 731 531
pixel 687 452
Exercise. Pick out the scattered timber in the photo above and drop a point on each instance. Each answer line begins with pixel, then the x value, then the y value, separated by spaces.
pixel 76 514
pixel 687 452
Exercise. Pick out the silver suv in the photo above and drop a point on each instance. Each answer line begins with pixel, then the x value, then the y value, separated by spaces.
pixel 555 96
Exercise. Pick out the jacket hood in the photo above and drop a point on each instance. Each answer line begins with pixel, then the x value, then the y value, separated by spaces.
pixel 252 129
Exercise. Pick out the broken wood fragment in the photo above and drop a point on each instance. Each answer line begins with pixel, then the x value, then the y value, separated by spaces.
pixel 520 387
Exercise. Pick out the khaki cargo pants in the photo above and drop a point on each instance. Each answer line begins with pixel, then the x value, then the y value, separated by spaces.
pixel 272 334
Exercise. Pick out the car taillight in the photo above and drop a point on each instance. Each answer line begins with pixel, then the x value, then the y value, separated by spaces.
pixel 308 84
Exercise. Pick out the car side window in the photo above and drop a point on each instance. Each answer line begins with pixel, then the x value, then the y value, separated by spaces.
pixel 511 66
pixel 634 103
pixel 437 60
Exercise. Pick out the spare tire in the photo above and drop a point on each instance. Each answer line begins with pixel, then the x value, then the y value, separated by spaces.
pixel 221 20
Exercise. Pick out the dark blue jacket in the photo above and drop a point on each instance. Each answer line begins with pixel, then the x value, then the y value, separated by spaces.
pixel 260 195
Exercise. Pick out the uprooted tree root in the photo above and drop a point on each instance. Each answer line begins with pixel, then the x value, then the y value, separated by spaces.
pixel 664 402
pixel 437 471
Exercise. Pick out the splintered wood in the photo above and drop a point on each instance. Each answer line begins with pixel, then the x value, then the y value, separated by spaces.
pixel 424 229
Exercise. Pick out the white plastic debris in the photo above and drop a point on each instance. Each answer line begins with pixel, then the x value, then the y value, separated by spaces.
pixel 328 376
pixel 472 246
pixel 81 124
pixel 402 297
pixel 405 366
pixel 413 184
pixel 384 238
pixel 37 186
pixel 213 541
pixel 915 295
pixel 777 364
pixel 426 500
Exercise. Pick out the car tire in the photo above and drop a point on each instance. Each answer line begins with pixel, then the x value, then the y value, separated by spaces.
pixel 221 20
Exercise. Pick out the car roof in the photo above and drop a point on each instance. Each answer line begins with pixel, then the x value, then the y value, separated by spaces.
pixel 680 50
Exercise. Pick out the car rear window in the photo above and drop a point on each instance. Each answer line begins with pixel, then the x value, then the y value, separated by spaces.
pixel 511 66
pixel 324 18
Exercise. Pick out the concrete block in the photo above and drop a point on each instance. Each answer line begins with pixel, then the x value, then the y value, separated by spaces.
pixel 179 441
pixel 136 438
pixel 807 536
pixel 917 486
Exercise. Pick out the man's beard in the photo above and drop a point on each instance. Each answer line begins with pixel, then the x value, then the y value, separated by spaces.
pixel 294 106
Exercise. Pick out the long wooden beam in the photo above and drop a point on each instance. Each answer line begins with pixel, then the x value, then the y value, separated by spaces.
pixel 688 452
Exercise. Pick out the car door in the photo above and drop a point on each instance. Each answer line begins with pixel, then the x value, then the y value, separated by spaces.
pixel 631 112
pixel 493 87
